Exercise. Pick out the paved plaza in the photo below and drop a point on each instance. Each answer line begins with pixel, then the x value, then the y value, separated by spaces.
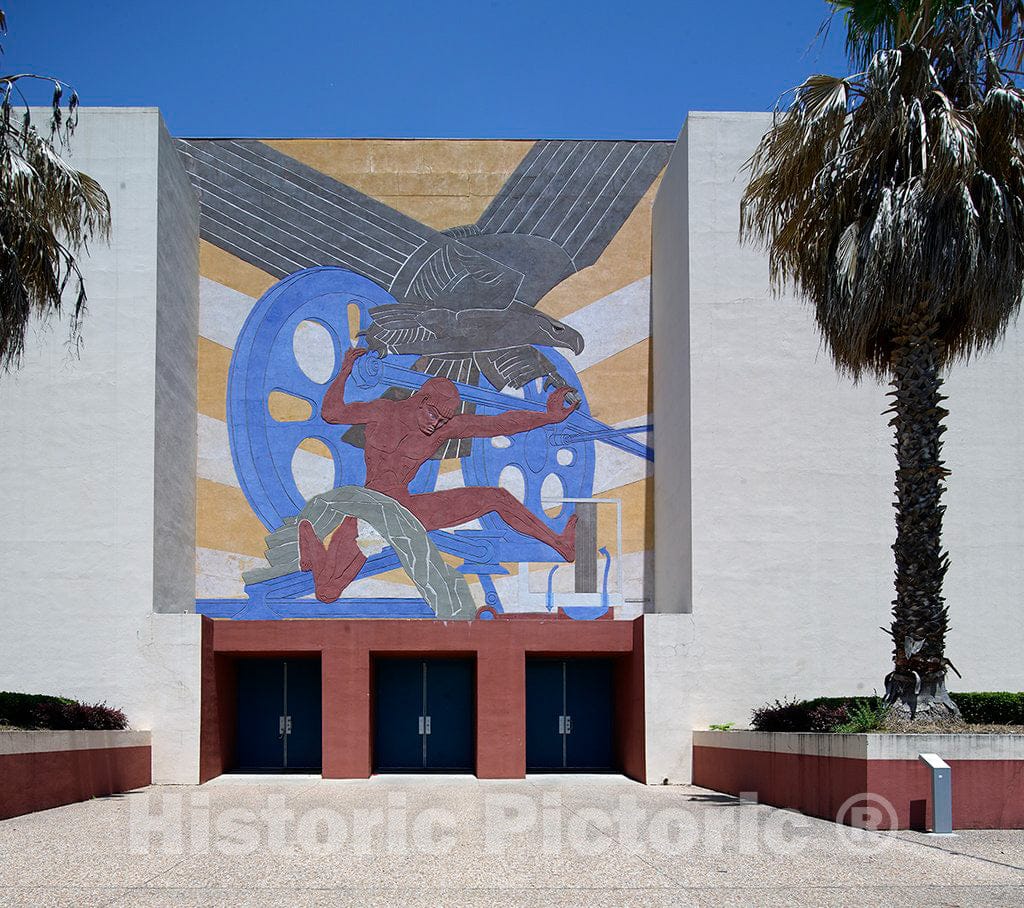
pixel 443 840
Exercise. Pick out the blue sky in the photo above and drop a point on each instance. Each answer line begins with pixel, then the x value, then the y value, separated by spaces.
pixel 488 69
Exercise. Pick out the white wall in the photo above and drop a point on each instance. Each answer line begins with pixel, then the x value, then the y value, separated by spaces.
pixel 80 459
pixel 791 479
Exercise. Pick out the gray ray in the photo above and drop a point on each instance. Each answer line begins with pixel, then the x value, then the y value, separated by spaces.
pixel 257 199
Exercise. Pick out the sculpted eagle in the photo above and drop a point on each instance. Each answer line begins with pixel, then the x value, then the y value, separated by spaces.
pixel 466 296
pixel 463 315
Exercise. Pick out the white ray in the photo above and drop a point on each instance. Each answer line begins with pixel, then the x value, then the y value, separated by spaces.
pixel 612 323
pixel 222 311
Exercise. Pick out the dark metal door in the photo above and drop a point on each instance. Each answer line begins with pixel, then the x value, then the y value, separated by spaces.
pixel 545 711
pixel 423 715
pixel 279 715
pixel 258 744
pixel 398 711
pixel 303 715
pixel 569 715
pixel 450 744
pixel 588 708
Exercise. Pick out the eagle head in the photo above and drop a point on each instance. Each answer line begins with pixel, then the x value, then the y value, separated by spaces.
pixel 550 332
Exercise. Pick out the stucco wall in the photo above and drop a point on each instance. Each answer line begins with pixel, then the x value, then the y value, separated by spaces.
pixel 791 482
pixel 79 454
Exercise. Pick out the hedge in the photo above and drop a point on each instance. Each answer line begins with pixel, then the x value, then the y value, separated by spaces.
pixel 991 707
pixel 823 714
pixel 40 711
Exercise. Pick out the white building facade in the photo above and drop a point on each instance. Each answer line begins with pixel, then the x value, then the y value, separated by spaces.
pixel 770 508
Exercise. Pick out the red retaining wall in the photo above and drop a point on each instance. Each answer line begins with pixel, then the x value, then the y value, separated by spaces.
pixel 39 781
pixel 987 794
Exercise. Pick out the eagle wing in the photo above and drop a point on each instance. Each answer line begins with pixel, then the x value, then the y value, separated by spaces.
pixel 395 326
pixel 460 278
pixel 576 194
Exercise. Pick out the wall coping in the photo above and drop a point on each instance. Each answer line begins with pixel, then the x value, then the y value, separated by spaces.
pixel 868 746
pixel 44 741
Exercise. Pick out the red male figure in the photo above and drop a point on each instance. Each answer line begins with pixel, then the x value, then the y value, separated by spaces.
pixel 401 435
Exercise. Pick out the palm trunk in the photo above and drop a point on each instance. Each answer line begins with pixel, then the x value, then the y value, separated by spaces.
pixel 916 688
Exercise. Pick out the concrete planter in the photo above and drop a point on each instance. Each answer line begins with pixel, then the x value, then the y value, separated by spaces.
pixel 43 769
pixel 874 780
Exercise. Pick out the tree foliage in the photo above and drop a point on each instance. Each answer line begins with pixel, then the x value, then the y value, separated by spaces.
pixel 901 186
pixel 48 212
pixel 893 199
pixel 872 25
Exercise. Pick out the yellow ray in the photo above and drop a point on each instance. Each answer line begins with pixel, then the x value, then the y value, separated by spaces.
pixel 214 361
pixel 231 271
pixel 637 517
pixel 619 387
pixel 441 183
pixel 224 520
pixel 398 575
pixel 627 258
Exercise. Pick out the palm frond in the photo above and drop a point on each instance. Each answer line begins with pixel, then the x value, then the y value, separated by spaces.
pixel 48 211
pixel 899 188
pixel 872 25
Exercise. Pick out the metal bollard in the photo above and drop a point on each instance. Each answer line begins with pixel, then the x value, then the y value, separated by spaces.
pixel 942 793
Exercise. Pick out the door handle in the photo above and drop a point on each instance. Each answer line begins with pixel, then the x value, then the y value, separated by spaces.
pixel 568 725
pixel 287 725
pixel 424 725
pixel 561 725
pixel 280 726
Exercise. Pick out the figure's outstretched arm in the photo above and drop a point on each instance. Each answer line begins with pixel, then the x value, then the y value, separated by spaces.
pixel 335 410
pixel 469 425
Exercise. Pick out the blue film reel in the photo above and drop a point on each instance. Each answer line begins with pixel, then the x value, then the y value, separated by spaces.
pixel 548 465
pixel 264 361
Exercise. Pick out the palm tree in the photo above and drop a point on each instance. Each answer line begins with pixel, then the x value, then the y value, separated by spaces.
pixel 48 211
pixel 893 199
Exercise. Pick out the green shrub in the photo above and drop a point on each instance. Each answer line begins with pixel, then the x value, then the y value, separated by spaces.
pixel 19 709
pixel 821 714
pixel 850 714
pixel 864 717
pixel 991 707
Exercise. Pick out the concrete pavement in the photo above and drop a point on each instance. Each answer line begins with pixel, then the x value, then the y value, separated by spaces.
pixel 430 840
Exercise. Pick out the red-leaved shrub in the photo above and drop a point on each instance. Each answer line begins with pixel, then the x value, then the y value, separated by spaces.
pixel 76 716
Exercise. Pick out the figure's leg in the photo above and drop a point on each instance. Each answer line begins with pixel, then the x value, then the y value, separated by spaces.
pixel 345 557
pixel 451 507
pixel 335 566
pixel 311 550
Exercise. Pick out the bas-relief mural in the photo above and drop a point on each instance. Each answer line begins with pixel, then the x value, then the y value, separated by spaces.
pixel 405 415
